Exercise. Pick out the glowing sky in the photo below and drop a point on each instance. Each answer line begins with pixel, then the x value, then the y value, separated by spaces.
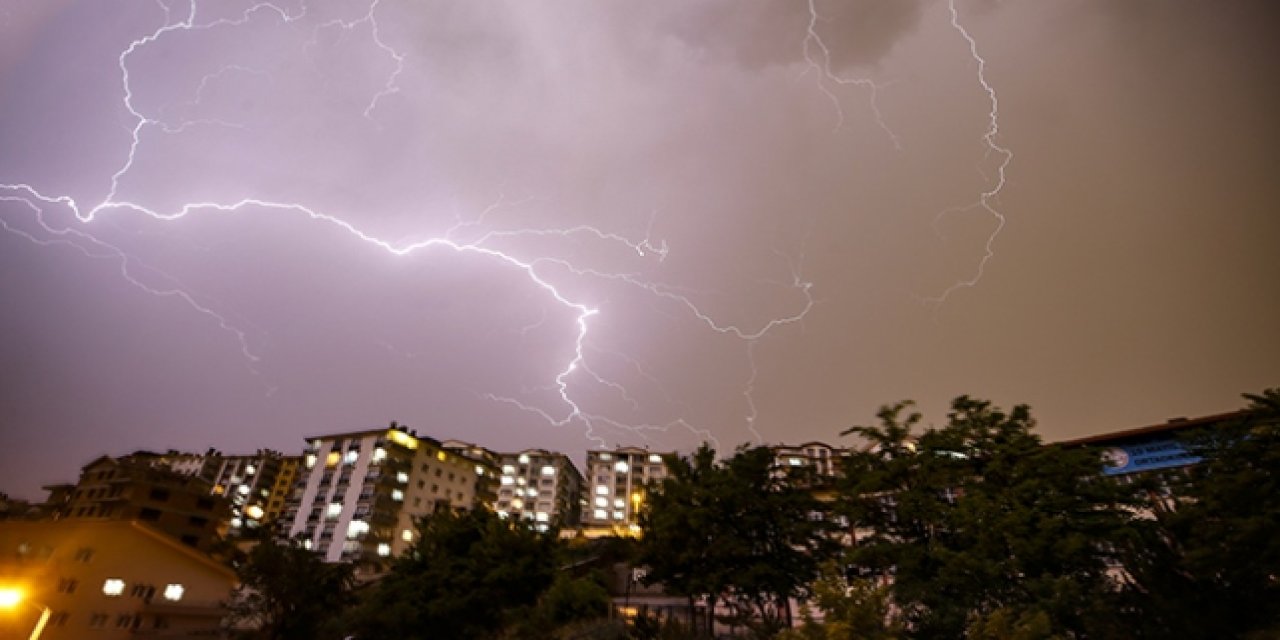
pixel 591 223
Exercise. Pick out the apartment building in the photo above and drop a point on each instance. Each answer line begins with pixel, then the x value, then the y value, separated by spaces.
pixel 542 486
pixel 108 579
pixel 132 488
pixel 486 477
pixel 820 457
pixel 617 481
pixel 358 494
pixel 250 483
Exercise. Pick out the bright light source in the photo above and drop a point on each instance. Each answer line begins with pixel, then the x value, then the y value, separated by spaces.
pixel 524 458
pixel 113 586
pixel 10 597
pixel 384 549
pixel 173 592
pixel 621 467
pixel 548 470
pixel 254 511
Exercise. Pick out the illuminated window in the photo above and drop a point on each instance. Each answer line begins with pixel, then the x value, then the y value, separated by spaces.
pixel 602 501
pixel 548 470
pixel 524 458
pixel 407 535
pixel 440 455
pixel 254 511
pixel 795 462
pixel 244 489
pixel 379 454
pixel 332 459
pixel 508 469
pixel 356 529
pixel 113 587
pixel 384 549
pixel 541 516
pixel 620 504
pixel 402 477
pixel 605 456
pixel 600 514
pixel 520 481
pixel 173 592
pixel 335 508
pixel 507 480
pixel 618 515
pixel 602 490
pixel 236 523
pixel 250 470
pixel 517 504
pixel 621 467
pixel 397 495
pixel 352 456
pixel 306 544
pixel 310 460
pixel 653 457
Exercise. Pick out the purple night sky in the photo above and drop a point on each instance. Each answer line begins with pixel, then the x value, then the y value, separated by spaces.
pixel 234 225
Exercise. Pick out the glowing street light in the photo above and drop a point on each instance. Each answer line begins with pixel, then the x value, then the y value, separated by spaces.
pixel 11 597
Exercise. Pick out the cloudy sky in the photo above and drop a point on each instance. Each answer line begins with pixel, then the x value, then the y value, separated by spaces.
pixel 234 225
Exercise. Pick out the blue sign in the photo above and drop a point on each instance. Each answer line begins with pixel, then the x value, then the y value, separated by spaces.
pixel 1145 456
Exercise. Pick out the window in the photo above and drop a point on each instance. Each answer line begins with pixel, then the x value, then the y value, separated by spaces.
pixel 59 619
pixel 147 513
pixel 144 591
pixel 548 470
pixel 67 585
pixel 124 621
pixel 173 592
pixel 197 521
pixel 98 620
pixel 113 587
pixel 204 504
pixel 335 509
pixel 159 495
pixel 384 549
pixel 602 490
pixel 84 554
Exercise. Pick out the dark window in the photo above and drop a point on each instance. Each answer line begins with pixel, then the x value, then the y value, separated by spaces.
pixel 190 540
pixel 98 620
pixel 59 619
pixel 197 521
pixel 148 513
pixel 67 585
pixel 84 554
pixel 204 504
pixel 159 495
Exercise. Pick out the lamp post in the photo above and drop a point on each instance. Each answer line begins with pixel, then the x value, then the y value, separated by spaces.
pixel 11 597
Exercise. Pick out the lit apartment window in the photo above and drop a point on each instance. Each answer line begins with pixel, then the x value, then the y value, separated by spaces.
pixel 653 457
pixel 250 470
pixel 605 456
pixel 384 549
pixel 507 480
pixel 173 592
pixel 379 454
pixel 397 495
pixel 600 514
pixel 479 470
pixel 602 501
pixel 602 490
pixel 357 528
pixel 352 456
pixel 335 509
pixel 621 467
pixel 618 515
pixel 113 587
pixel 508 469
pixel 407 535
pixel 541 516
pixel 310 460
pixel 619 504
pixel 402 477
pixel 548 470
pixel 524 458
pixel 332 459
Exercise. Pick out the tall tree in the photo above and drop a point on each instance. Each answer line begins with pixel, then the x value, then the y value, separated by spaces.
pixel 288 592
pixel 468 576
pixel 1210 564
pixel 979 522
pixel 744 532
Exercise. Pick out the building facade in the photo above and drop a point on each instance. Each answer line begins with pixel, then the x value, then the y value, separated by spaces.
pixel 542 486
pixel 132 488
pixel 358 495
pixel 617 482
pixel 109 579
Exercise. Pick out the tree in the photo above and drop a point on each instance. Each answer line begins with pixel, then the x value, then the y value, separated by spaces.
pixel 981 525
pixel 468 576
pixel 743 532
pixel 287 591
pixel 1209 564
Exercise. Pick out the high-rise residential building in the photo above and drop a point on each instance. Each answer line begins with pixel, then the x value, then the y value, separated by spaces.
pixel 358 494
pixel 617 481
pixel 248 482
pixel 542 486
pixel 131 488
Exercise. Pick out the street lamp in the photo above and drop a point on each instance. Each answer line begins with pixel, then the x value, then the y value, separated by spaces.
pixel 11 597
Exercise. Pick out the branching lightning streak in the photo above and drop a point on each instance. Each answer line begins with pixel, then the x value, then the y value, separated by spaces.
pixel 646 248
pixel 1006 156
pixel 824 75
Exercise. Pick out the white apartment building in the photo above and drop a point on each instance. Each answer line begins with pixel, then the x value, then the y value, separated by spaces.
pixel 617 482
pixel 358 494
pixel 821 457
pixel 542 486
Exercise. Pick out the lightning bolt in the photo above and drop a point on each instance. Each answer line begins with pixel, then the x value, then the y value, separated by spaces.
pixel 821 66
pixel 535 269
pixel 987 197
